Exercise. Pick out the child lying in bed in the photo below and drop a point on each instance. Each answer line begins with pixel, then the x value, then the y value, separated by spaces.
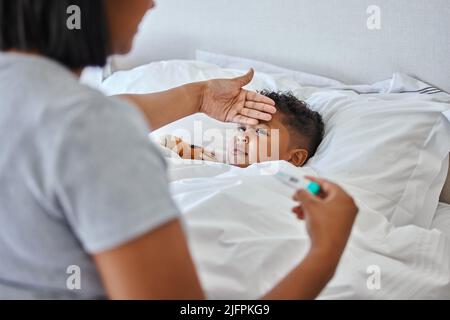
pixel 293 135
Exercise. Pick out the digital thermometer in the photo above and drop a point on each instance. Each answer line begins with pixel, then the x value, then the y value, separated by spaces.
pixel 298 183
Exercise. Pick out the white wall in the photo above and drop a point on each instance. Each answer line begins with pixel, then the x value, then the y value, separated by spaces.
pixel 327 37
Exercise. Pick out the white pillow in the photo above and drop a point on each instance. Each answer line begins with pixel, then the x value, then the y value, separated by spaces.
pixel 231 62
pixel 390 146
pixel 164 75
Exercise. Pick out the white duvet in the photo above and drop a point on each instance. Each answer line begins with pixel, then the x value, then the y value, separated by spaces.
pixel 245 239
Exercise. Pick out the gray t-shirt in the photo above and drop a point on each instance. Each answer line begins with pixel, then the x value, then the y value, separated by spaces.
pixel 78 176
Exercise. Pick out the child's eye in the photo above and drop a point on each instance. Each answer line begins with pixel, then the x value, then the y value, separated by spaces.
pixel 262 132
pixel 241 129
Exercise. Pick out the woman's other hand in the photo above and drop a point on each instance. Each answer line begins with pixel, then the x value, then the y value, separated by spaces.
pixel 329 218
pixel 226 100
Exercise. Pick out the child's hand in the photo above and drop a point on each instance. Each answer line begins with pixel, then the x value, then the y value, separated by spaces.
pixel 207 155
pixel 186 150
pixel 175 144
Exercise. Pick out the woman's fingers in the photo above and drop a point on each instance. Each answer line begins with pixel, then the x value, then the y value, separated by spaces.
pixel 257 107
pixel 304 197
pixel 266 101
pixel 299 212
pixel 240 119
pixel 255 114
pixel 260 106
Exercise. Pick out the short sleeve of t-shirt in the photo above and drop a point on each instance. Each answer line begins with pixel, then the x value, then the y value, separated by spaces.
pixel 110 179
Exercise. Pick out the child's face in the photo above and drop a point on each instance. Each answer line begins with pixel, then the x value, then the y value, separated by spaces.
pixel 268 141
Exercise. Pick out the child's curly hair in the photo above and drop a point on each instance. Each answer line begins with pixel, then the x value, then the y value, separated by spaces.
pixel 298 116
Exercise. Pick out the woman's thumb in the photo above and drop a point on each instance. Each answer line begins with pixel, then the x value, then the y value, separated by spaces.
pixel 246 79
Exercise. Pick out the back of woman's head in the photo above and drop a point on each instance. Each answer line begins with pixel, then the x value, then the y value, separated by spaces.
pixel 46 27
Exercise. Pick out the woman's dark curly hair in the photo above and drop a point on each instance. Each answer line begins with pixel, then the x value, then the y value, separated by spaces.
pixel 297 116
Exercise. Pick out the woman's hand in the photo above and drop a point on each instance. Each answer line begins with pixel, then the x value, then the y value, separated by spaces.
pixel 221 99
pixel 225 100
pixel 329 218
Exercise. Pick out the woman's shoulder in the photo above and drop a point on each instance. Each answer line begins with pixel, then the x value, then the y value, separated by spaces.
pixel 81 115
pixel 89 114
pixel 44 86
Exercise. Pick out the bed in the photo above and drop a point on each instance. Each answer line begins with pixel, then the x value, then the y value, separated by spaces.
pixel 387 141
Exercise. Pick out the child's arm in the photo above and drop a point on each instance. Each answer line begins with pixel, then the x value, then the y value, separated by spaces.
pixel 200 153
pixel 185 150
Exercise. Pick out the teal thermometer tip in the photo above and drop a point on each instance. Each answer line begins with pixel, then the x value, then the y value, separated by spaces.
pixel 314 188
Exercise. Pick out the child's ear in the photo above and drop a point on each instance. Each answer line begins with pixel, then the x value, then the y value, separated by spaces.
pixel 298 157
